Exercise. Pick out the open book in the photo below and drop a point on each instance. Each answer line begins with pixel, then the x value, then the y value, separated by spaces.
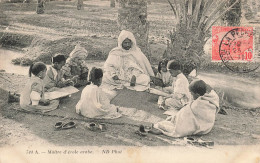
pixel 61 92
pixel 159 92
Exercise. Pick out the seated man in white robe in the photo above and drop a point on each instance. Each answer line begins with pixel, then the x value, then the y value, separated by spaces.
pixel 127 66
pixel 196 118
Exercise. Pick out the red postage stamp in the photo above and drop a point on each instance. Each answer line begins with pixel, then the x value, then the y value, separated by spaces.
pixel 232 44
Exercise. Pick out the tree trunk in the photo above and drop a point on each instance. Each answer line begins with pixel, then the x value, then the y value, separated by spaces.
pixel 3 19
pixel 40 7
pixel 132 16
pixel 80 5
pixel 112 3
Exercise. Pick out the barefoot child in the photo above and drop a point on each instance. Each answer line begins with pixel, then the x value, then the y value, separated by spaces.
pixel 54 76
pixel 32 97
pixel 196 118
pixel 93 102
pixel 181 95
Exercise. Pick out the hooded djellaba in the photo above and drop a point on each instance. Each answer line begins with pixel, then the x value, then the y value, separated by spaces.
pixel 196 118
pixel 127 67
pixel 76 67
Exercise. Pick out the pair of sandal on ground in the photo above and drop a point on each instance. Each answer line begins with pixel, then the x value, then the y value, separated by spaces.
pixel 96 126
pixel 91 126
pixel 64 126
pixel 144 130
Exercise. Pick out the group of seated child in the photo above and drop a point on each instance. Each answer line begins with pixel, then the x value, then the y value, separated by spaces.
pixel 191 107
pixel 93 103
pixel 63 72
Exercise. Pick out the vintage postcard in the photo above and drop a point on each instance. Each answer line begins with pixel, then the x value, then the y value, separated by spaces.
pixel 129 81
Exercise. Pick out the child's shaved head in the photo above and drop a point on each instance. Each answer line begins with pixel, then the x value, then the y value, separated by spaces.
pixel 173 65
pixel 198 87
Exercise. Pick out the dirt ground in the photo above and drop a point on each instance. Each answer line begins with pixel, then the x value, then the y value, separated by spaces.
pixel 62 26
pixel 58 30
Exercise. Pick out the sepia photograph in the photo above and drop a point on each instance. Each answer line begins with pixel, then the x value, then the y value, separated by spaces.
pixel 129 81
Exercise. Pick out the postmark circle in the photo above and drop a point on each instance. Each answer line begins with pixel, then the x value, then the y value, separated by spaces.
pixel 236 51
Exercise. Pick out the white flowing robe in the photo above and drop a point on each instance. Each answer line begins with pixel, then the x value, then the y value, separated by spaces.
pixel 125 64
pixel 196 118
pixel 95 104
pixel 31 95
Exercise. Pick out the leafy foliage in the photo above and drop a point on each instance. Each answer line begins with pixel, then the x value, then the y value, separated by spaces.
pixel 233 16
pixel 194 21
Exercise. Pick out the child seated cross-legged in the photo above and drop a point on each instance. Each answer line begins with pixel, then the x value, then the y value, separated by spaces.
pixel 181 95
pixel 76 67
pixel 54 76
pixel 164 74
pixel 196 118
pixel 94 102
pixel 32 97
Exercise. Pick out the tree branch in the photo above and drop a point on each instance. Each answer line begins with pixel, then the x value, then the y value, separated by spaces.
pixel 183 10
pixel 177 10
pixel 205 9
pixel 221 15
pixel 221 5
pixel 189 7
pixel 173 9
pixel 196 10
